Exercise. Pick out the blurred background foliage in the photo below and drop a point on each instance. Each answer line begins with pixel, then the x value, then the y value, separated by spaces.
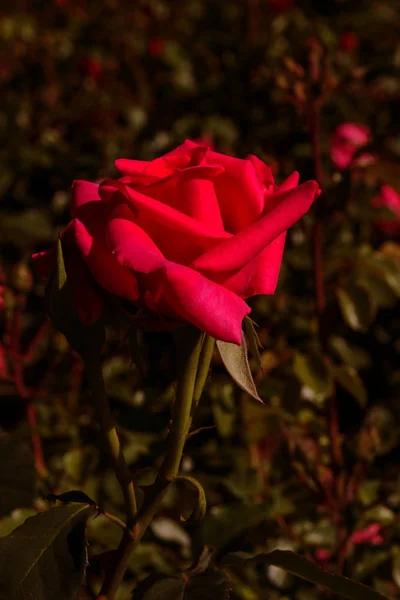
pixel 315 469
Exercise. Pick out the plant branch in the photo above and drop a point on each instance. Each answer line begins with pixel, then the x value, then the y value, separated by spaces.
pixel 189 344
pixel 110 436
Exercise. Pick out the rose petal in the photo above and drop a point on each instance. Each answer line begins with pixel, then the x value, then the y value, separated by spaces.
pixel 286 209
pixel 262 170
pixel 239 191
pixel 291 182
pixel 185 148
pixel 179 237
pixel 142 172
pixel 83 192
pixel 45 262
pixel 342 154
pixel 210 307
pixel 266 275
pixel 354 133
pixel 87 300
pixel 130 245
pixel 105 269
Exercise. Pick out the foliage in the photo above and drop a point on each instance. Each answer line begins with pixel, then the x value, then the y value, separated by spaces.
pixel 315 466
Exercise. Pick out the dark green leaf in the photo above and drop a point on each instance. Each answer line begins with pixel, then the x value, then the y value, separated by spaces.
pixel 45 558
pixel 301 567
pixel 350 380
pixel 167 588
pixel 72 496
pixel 220 529
pixel 17 475
pixel 357 306
pixel 236 362
pixel 354 356
pixel 312 371
pixel 198 584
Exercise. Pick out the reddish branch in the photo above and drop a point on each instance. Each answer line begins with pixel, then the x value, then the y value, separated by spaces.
pixel 17 364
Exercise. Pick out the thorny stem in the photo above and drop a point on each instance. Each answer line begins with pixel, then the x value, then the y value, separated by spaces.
pixel 110 436
pixel 189 344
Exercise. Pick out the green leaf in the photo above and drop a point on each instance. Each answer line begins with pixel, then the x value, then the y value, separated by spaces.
pixel 218 530
pixel 301 567
pixel 352 355
pixel 236 363
pixel 351 382
pixel 201 502
pixel 377 285
pixel 45 558
pixel 76 496
pixel 17 475
pixel 15 519
pixel 312 371
pixel 204 581
pixel 358 307
pixel 169 588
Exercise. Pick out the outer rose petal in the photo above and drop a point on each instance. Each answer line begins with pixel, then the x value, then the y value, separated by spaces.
pixel 130 245
pixel 291 182
pixel 105 269
pixel 265 278
pixel 259 276
pixel 210 307
pixel 83 192
pixel 45 262
pixel 87 300
pixel 263 171
pixel 286 209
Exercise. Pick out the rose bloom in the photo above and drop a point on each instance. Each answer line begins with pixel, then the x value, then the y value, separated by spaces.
pixel 388 198
pixel 186 237
pixel 346 140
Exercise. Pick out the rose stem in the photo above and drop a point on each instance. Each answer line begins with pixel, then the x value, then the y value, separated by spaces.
pixel 110 436
pixel 189 345
pixel 206 355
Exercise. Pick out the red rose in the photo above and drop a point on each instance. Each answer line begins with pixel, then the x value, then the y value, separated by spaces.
pixel 187 236
pixel 388 198
pixel 346 140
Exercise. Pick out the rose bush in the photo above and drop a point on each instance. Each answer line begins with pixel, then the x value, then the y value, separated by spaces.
pixel 187 236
